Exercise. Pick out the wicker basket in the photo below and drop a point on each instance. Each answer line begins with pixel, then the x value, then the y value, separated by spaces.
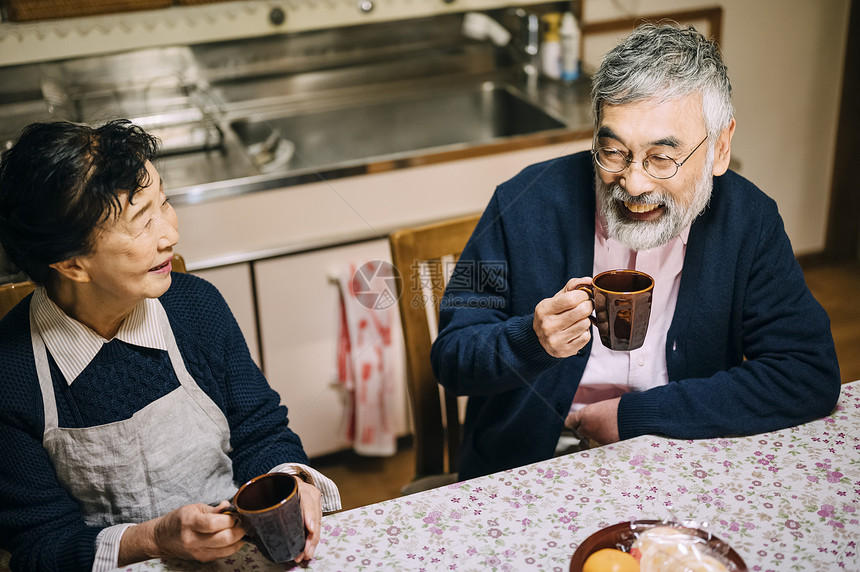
pixel 23 10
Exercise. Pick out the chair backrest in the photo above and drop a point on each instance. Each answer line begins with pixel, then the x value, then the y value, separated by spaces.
pixel 178 264
pixel 14 292
pixel 425 256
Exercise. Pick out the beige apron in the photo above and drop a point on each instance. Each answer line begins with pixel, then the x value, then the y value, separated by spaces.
pixel 171 453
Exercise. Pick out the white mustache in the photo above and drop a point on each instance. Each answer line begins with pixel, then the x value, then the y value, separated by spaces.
pixel 619 194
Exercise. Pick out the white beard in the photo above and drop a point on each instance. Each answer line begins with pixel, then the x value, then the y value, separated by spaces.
pixel 645 235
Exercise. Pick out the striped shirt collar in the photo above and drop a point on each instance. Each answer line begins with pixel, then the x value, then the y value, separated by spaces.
pixel 73 345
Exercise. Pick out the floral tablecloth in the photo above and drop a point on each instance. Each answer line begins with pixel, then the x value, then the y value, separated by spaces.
pixel 788 500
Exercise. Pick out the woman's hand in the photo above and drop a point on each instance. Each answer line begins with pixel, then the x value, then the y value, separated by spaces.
pixel 191 532
pixel 312 513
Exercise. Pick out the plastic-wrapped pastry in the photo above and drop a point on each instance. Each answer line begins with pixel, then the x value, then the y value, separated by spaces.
pixel 670 549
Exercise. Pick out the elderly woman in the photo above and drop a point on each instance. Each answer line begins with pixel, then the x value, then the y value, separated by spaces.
pixel 128 399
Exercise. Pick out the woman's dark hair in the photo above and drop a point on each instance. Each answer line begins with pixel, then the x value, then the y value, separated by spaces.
pixel 60 181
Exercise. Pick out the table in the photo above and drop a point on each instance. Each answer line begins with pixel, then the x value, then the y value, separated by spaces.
pixel 787 500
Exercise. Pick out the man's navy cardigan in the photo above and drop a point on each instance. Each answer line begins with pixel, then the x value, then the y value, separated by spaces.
pixel 749 349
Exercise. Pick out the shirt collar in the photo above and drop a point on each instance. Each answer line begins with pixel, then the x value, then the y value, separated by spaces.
pixel 73 345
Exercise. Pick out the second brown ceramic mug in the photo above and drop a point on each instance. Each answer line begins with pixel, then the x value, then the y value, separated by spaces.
pixel 622 307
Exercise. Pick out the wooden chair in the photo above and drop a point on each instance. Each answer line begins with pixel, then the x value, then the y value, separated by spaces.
pixel 425 256
pixel 14 292
pixel 179 264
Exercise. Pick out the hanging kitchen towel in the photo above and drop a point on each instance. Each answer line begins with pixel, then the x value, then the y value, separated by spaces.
pixel 368 303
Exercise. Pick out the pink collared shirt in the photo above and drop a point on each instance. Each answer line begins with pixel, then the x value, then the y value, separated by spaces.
pixel 611 373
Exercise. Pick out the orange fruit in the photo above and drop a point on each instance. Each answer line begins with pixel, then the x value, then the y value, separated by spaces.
pixel 610 560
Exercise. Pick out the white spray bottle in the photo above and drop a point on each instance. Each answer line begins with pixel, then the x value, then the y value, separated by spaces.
pixel 570 36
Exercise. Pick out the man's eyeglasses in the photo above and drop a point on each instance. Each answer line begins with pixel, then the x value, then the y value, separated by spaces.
pixel 657 165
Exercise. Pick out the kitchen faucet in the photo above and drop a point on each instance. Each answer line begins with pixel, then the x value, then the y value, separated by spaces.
pixel 480 26
pixel 529 41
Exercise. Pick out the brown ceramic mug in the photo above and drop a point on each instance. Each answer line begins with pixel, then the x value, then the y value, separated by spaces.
pixel 622 307
pixel 269 509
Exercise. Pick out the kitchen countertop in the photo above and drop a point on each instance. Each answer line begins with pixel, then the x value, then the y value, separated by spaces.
pixel 226 172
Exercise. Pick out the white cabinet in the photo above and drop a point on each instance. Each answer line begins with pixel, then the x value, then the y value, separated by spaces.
pixel 299 313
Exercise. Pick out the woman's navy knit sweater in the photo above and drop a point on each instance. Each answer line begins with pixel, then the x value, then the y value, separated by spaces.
pixel 39 521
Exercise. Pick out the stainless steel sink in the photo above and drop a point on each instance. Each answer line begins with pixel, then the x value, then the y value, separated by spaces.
pixel 264 113
pixel 254 114
pixel 387 127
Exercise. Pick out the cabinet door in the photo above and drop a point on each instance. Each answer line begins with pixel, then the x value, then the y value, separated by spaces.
pixel 299 314
pixel 234 283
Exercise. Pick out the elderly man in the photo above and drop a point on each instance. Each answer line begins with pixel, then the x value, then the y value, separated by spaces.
pixel 736 343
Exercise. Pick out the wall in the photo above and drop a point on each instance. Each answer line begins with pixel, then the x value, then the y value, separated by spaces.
pixel 785 59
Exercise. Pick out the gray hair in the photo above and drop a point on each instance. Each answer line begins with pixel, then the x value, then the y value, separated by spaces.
pixel 665 62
